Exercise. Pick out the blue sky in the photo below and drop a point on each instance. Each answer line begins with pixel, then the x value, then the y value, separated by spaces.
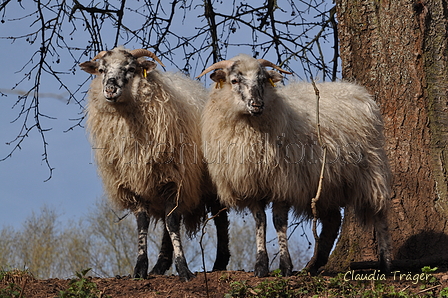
pixel 75 185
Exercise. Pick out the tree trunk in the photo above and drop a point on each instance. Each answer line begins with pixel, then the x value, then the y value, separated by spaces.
pixel 398 50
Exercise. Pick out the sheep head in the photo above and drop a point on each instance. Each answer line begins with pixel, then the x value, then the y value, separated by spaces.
pixel 247 78
pixel 118 67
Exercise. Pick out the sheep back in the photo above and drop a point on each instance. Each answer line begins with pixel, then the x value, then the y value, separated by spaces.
pixel 276 156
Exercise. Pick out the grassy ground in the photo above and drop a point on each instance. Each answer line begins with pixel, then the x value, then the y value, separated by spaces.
pixel 428 283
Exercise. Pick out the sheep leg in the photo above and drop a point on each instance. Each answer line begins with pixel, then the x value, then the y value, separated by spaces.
pixel 222 234
pixel 280 217
pixel 165 255
pixel 330 228
pixel 141 267
pixel 261 263
pixel 172 223
pixel 383 238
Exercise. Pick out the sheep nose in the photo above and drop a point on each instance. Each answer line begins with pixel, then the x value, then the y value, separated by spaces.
pixel 256 104
pixel 256 107
pixel 110 88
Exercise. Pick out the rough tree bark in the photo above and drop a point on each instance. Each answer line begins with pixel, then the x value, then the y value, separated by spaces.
pixel 398 49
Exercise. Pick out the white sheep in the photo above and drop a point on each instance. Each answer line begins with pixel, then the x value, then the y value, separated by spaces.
pixel 261 147
pixel 144 127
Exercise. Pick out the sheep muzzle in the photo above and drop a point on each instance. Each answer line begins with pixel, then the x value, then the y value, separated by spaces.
pixel 254 99
pixel 111 90
pixel 256 107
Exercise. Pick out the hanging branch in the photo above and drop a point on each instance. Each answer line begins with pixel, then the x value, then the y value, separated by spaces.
pixel 315 200
pixel 288 31
pixel 120 14
pixel 334 61
pixel 210 16
pixel 32 108
pixel 167 28
pixel 272 6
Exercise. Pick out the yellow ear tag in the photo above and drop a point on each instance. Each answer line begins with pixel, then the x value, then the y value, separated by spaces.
pixel 219 84
pixel 144 73
pixel 272 83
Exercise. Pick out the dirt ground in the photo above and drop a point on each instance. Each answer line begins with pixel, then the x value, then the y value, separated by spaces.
pixel 218 284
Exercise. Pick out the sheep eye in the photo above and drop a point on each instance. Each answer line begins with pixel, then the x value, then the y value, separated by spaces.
pixel 131 69
pixel 234 81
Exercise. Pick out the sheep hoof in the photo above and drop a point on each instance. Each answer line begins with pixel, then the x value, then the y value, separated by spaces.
pixel 221 262
pixel 261 272
pixel 285 265
pixel 286 271
pixel 141 268
pixel 184 273
pixel 162 265
pixel 157 270
pixel 219 268
pixel 385 264
pixel 261 265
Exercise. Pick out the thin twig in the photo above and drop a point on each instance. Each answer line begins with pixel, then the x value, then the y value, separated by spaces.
pixel 120 14
pixel 119 218
pixel 428 289
pixel 101 294
pixel 319 187
pixel 210 16
pixel 202 247
pixel 177 199
pixel 23 287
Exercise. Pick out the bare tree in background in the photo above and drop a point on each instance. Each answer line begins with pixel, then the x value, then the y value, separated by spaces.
pixel 188 34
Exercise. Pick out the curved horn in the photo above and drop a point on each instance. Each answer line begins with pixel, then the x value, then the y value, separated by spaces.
pixel 220 64
pixel 137 53
pixel 269 63
pixel 99 55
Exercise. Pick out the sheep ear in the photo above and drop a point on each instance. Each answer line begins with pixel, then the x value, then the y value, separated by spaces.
pixel 90 67
pixel 147 65
pixel 218 76
pixel 274 76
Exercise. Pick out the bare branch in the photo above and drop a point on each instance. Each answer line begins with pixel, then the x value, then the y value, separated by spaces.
pixel 64 34
pixel 315 200
pixel 202 247
pixel 120 14
pixel 210 16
